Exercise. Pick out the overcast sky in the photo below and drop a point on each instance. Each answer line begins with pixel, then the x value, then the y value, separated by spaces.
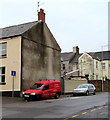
pixel 82 23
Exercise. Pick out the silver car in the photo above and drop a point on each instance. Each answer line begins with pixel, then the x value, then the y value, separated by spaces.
pixel 85 89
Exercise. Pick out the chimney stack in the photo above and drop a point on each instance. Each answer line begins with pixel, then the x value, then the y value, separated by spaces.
pixel 76 50
pixel 41 15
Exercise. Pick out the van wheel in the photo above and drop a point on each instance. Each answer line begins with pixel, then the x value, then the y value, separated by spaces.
pixel 26 100
pixel 38 97
pixel 57 96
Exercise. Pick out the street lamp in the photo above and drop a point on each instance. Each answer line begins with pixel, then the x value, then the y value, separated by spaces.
pixel 102 64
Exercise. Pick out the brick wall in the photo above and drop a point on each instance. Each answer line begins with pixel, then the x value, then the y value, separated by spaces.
pixel 98 84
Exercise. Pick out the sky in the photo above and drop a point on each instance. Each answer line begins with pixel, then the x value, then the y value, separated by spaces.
pixel 82 23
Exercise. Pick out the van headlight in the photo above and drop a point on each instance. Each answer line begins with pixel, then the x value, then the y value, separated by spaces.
pixel 33 93
pixel 23 93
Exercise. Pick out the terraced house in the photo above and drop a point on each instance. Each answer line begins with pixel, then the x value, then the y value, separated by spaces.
pixel 93 65
pixel 28 53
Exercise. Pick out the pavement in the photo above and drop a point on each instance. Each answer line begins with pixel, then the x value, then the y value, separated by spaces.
pixel 10 100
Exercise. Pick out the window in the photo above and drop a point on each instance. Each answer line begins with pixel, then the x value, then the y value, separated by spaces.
pixel 96 64
pixel 3 50
pixel 46 87
pixel 103 66
pixel 2 74
pixel 37 86
pixel 63 66
pixel 74 67
pixel 96 77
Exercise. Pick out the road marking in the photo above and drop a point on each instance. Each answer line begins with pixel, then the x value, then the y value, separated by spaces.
pixel 100 108
pixel 84 113
pixel 75 116
pixel 93 110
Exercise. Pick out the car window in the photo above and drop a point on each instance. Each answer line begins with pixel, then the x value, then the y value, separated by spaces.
pixel 82 86
pixel 36 86
pixel 46 87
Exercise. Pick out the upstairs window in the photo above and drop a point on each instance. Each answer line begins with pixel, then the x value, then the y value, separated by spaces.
pixel 2 75
pixel 103 66
pixel 63 66
pixel 96 64
pixel 3 50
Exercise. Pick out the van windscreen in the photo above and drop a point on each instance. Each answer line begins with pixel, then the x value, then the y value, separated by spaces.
pixel 36 86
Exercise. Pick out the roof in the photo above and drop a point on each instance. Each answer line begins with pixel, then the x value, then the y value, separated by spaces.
pixel 16 30
pixel 102 55
pixel 66 56
pixel 76 57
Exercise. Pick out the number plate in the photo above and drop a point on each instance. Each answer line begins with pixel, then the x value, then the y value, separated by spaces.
pixel 26 95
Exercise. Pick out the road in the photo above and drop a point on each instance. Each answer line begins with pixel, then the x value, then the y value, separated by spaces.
pixel 93 106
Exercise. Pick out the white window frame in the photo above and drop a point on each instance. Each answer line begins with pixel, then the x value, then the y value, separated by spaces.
pixel 103 66
pixel 2 74
pixel 3 49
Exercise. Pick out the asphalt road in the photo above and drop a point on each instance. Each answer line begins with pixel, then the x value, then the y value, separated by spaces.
pixel 66 108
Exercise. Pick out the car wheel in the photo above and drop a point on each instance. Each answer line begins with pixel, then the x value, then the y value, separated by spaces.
pixel 87 93
pixel 57 96
pixel 94 93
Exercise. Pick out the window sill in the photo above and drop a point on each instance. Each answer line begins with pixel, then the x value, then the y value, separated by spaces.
pixel 3 57
pixel 3 83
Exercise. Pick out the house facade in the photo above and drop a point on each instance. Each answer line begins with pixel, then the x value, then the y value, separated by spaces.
pixel 69 61
pixel 32 52
pixel 10 60
pixel 93 65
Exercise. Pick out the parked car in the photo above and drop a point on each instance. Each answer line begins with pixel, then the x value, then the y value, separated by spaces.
pixel 43 89
pixel 85 89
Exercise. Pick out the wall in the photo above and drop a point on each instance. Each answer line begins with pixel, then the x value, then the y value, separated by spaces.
pixel 12 63
pixel 66 70
pixel 86 65
pixel 40 56
pixel 98 84
pixel 69 85
pixel 109 69
pixel 106 71
pixel 97 71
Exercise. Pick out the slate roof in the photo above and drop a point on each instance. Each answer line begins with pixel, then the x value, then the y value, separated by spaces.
pixel 66 56
pixel 16 30
pixel 103 55
pixel 75 60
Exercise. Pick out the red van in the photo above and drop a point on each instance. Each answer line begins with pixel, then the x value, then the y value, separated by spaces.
pixel 43 89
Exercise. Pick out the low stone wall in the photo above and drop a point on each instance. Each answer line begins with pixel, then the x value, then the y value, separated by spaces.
pixel 69 85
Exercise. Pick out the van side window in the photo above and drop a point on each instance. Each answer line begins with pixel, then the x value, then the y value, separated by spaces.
pixel 46 87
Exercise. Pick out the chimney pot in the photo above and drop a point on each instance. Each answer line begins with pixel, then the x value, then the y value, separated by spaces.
pixel 41 15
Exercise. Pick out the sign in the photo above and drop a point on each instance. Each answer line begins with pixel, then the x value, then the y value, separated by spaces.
pixel 13 73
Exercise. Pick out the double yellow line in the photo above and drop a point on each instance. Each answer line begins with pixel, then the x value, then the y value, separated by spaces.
pixel 83 113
